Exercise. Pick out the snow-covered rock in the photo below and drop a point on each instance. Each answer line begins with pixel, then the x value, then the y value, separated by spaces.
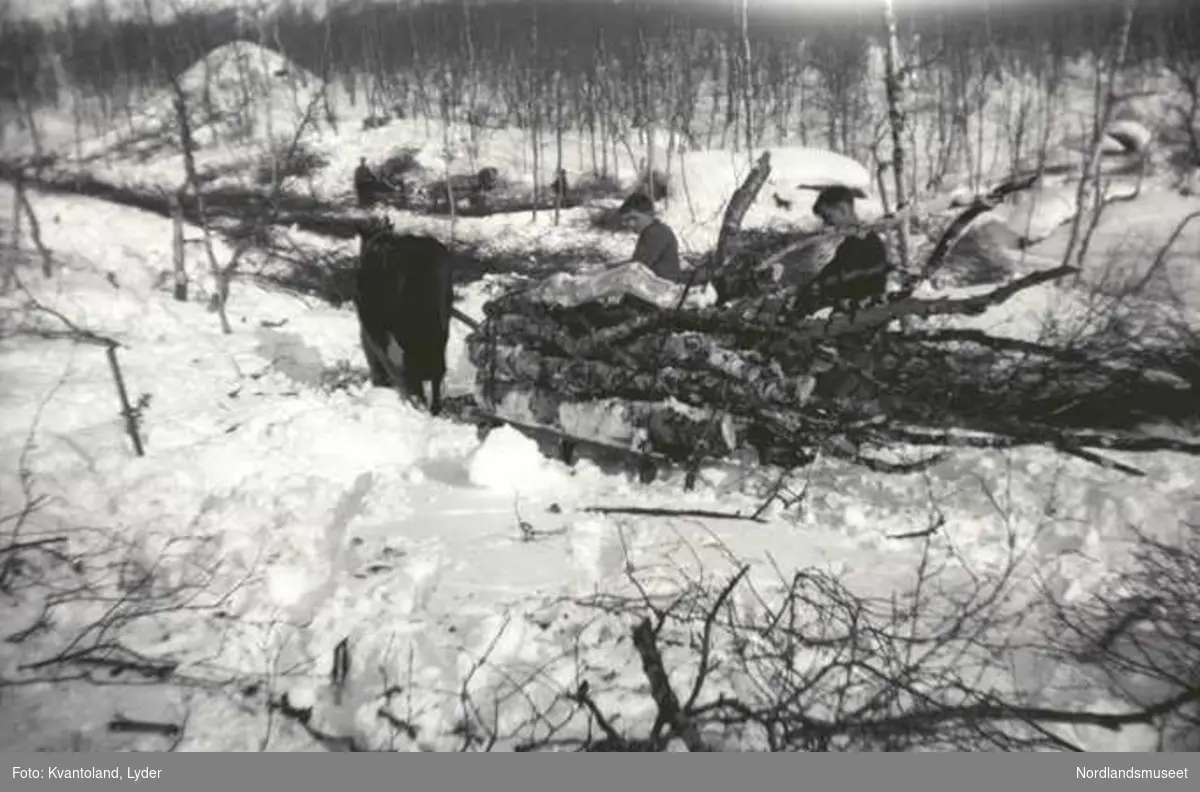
pixel 508 461
pixel 1132 136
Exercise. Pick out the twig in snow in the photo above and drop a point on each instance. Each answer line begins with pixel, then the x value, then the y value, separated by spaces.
pixel 111 345
pixel 523 525
pixel 1097 459
pixel 127 410
pixel 528 532
pixel 646 511
pixel 17 547
pixel 35 230
pixel 1160 258
pixel 583 697
pixel 76 333
pixel 399 724
pixel 93 656
pixel 930 531
pixel 710 620
pixel 303 716
pixel 466 728
pixel 123 725
pixel 339 672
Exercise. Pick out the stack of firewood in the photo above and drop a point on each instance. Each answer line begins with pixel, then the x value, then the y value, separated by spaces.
pixel 683 380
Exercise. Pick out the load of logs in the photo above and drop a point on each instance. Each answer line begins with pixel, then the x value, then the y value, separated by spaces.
pixel 676 379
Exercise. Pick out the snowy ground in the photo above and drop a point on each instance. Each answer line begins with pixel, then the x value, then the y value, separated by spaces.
pixel 315 514
pixel 296 514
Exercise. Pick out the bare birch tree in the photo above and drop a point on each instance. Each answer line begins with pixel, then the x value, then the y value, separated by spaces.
pixel 895 99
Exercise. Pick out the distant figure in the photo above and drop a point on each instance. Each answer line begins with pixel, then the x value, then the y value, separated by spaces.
pixel 559 185
pixel 367 186
pixel 487 179
pixel 657 246
pixel 399 194
pixel 859 269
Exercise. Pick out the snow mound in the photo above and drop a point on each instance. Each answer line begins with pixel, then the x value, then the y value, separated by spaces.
pixel 509 461
pixel 797 169
pixel 1130 135
pixel 705 180
pixel 239 91
pixel 595 553
pixel 1156 111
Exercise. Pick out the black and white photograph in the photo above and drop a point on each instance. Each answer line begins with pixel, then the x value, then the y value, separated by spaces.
pixel 467 376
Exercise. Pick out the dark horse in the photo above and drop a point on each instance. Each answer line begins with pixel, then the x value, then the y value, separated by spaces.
pixel 404 292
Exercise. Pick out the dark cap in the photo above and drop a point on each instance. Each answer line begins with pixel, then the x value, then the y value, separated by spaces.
pixel 831 196
pixel 638 202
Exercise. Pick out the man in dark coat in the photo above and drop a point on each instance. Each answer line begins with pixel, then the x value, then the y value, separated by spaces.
pixel 367 186
pixel 859 269
pixel 657 247
pixel 857 274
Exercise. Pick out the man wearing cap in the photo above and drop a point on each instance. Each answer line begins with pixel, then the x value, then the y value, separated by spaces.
pixel 657 247
pixel 366 184
pixel 859 269
pixel 858 273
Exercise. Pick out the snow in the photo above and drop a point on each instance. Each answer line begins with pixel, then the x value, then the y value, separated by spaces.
pixel 239 91
pixel 1132 135
pixel 1036 214
pixel 508 461
pixel 307 514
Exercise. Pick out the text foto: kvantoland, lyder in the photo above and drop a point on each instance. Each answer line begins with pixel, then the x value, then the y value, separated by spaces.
pixel 87 773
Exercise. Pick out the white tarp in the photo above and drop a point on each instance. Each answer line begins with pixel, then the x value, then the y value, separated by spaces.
pixel 600 284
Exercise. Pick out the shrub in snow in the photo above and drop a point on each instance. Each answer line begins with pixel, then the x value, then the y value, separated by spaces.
pixel 609 218
pixel 401 163
pixel 655 184
pixel 342 376
pixel 1185 164
pixel 982 254
pixel 375 122
pixel 590 186
pixel 286 161
pixel 1141 632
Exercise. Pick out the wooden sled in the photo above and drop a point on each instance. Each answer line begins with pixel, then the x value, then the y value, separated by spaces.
pixel 557 444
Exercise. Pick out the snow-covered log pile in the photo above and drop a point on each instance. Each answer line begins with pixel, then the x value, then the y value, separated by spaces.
pixel 623 358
